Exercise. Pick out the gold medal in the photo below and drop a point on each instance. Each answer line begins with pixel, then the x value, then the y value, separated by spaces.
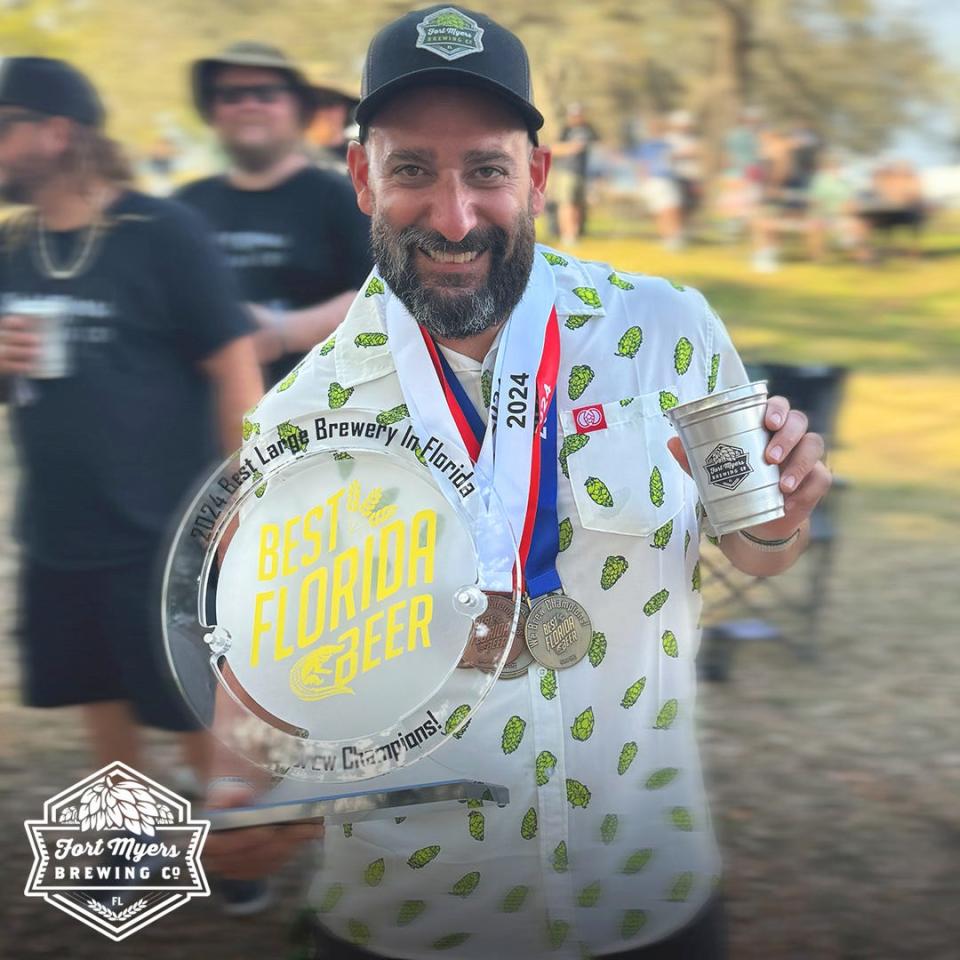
pixel 491 633
pixel 558 631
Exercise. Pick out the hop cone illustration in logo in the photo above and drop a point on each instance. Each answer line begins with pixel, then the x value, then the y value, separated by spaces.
pixel 632 693
pixel 637 861
pixel 557 933
pixel 394 414
pixel 656 602
pixel 548 685
pixel 571 444
pixel 358 932
pixel 374 287
pixel 682 884
pixel 466 884
pixel 116 802
pixel 681 818
pixel 714 371
pixel 630 342
pixel 662 536
pixel 331 898
pixel 590 895
pixel 661 778
pixel 554 259
pixel 682 355
pixel 375 339
pixel 546 762
pixel 409 911
pixel 328 346
pixel 695 577
pixel 420 858
pixel 577 794
pixel 486 386
pixel 597 491
pixel 250 429
pixel 373 875
pixel 667 714
pixel 580 377
pixel 669 641
pixel 450 941
pixel 455 719
pixel 514 899
pixel 512 734
pixel 576 320
pixel 598 649
pixel 288 381
pixel 656 487
pixel 632 923
pixel 588 295
pixel 628 753
pixel 613 569
pixel 476 824
pixel 582 728
pixel 560 861
pixel 337 396
pixel 449 18
pixel 608 829
pixel 528 826
pixel 165 815
pixel 67 815
pixel 668 400
pixel 620 282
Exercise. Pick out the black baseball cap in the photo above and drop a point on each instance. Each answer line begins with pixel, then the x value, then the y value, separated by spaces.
pixel 53 87
pixel 447 45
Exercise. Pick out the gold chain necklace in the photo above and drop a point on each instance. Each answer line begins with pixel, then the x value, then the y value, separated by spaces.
pixel 81 261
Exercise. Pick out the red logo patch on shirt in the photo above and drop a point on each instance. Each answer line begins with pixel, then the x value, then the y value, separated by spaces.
pixel 588 419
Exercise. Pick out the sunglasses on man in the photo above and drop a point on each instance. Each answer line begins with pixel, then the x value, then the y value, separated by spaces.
pixel 261 93
pixel 9 120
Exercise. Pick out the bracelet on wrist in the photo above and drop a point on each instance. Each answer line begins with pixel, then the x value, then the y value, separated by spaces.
pixel 770 546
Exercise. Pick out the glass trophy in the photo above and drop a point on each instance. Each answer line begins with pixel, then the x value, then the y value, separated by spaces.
pixel 338 600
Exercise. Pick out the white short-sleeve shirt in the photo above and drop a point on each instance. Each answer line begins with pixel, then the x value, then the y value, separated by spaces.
pixel 606 844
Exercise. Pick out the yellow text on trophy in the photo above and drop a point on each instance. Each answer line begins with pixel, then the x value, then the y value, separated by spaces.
pixel 347 557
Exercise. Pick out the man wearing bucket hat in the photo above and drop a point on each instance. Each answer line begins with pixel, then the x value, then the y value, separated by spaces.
pixel 127 363
pixel 292 233
pixel 605 848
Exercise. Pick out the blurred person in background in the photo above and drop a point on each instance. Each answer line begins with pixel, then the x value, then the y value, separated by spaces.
pixel 605 848
pixel 291 233
pixel 658 188
pixel 894 200
pixel 834 211
pixel 571 159
pixel 127 362
pixel 332 127
pixel 686 164
pixel 741 182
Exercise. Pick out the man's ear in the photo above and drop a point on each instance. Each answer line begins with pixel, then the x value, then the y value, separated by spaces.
pixel 358 163
pixel 539 168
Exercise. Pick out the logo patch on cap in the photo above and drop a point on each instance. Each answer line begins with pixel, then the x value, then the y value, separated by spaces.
pixel 449 34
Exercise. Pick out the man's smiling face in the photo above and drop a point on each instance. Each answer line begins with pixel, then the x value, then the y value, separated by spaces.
pixel 452 184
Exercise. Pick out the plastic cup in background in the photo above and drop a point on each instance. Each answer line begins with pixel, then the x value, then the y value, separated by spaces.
pixel 724 438
pixel 50 322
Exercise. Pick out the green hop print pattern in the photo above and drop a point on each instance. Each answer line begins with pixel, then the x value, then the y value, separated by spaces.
pixel 632 693
pixel 682 355
pixel 669 642
pixel 420 858
pixel 393 415
pixel 662 536
pixel 512 734
pixel 667 715
pixel 656 487
pixel 637 861
pixel 582 728
pixel 566 533
pixel 589 296
pixel 620 282
pixel 628 754
pixel 528 826
pixel 598 649
pixel 577 794
pixel 656 602
pixel 571 444
pixel 629 343
pixel 337 396
pixel 374 287
pixel 546 762
pixel 613 569
pixel 581 377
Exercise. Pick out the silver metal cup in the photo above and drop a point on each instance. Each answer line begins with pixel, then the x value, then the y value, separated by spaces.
pixel 724 438
pixel 50 322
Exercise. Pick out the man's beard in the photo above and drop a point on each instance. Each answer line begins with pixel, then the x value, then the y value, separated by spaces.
pixel 439 307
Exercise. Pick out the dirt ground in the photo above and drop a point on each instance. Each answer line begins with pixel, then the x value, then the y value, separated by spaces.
pixel 834 781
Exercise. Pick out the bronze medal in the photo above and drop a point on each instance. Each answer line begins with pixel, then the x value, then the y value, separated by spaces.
pixel 558 631
pixel 490 634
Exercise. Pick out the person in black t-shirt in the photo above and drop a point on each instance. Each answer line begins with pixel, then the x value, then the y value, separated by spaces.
pixel 292 233
pixel 128 362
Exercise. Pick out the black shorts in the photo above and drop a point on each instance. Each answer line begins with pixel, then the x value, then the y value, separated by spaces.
pixel 89 636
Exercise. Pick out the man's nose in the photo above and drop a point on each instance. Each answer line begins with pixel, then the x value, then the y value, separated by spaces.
pixel 452 212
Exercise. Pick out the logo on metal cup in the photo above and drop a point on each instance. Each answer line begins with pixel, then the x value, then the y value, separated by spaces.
pixel 727 466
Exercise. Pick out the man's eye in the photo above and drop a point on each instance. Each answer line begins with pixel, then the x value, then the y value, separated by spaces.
pixel 409 171
pixel 489 173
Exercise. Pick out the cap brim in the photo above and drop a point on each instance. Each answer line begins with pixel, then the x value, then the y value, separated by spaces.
pixel 200 71
pixel 448 77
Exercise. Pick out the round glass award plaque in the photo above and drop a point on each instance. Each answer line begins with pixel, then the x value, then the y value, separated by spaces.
pixel 325 585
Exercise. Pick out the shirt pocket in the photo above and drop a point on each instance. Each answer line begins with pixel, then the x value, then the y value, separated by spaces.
pixel 624 478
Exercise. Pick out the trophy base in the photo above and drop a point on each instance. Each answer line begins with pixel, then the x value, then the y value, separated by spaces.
pixel 361 805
